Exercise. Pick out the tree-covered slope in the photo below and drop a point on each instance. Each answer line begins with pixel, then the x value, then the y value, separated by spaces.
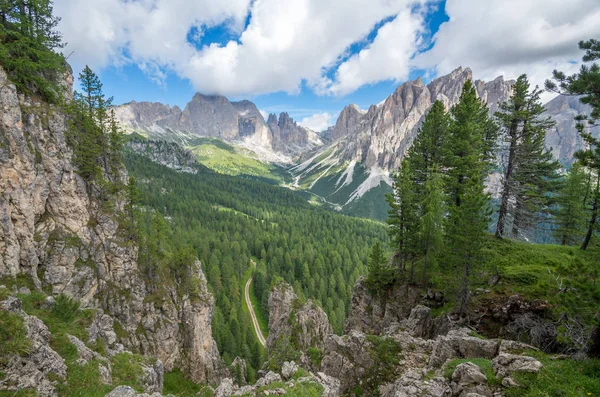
pixel 228 220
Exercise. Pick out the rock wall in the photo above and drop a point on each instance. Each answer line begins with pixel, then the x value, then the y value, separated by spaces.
pixel 54 230
pixel 294 328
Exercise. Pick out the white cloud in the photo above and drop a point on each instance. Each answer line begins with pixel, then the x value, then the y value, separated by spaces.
pixel 287 41
pixel 387 57
pixel 511 37
pixel 318 122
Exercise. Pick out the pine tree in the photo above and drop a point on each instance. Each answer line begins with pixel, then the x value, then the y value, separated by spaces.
pixel 380 275
pixel 403 220
pixel 569 215
pixel 586 83
pixel 471 142
pixel 432 232
pixel 28 38
pixel 426 153
pixel 469 151
pixel 529 169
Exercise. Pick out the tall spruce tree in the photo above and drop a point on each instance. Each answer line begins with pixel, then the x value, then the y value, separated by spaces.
pixel 585 84
pixel 404 221
pixel 569 214
pixel 380 275
pixel 417 212
pixel 472 135
pixel 471 142
pixel 28 38
pixel 432 223
pixel 529 169
pixel 426 153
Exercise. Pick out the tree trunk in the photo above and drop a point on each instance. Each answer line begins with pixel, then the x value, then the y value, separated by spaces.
pixel 507 182
pixel 464 293
pixel 593 217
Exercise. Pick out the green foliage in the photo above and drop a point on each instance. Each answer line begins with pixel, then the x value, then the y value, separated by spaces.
pixel 570 212
pixel 177 384
pixel 386 354
pixel 227 221
pixel 585 84
pixel 529 172
pixel 380 276
pixel 316 356
pixel 27 42
pixel 13 337
pixel 65 308
pixel 483 363
pixel 559 378
pixel 127 370
pixel 299 389
pixel 95 137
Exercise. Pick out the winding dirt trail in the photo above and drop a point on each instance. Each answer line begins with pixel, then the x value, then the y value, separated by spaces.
pixel 259 334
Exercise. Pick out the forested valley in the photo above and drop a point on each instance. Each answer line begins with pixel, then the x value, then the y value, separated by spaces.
pixel 225 221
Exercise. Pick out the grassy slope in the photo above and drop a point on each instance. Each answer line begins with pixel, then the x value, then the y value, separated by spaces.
pixel 68 319
pixel 226 159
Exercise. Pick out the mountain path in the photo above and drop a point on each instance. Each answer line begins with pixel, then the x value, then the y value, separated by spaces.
pixel 259 334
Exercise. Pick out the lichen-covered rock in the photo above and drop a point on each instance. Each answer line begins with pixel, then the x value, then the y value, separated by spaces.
pixel 225 389
pixel 126 391
pixel 371 314
pixel 32 370
pixel 468 374
pixel 289 369
pixel 294 328
pixel 412 383
pixel 459 344
pixel 269 378
pixel 506 364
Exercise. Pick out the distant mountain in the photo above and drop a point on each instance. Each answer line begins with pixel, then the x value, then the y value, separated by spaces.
pixel 277 140
pixel 353 171
pixel 348 166
pixel 369 144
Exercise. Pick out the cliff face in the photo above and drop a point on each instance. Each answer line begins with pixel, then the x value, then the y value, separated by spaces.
pixel 54 230
pixel 216 116
pixel 396 349
pixel 381 136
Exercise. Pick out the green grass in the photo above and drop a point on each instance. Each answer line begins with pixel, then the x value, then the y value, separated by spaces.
pixel 177 384
pixel 64 318
pixel 226 159
pixel 304 389
pixel 559 378
pixel 483 363
pixel 13 337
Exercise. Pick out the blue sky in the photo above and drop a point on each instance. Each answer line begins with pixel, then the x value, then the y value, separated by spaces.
pixel 129 82
pixel 313 57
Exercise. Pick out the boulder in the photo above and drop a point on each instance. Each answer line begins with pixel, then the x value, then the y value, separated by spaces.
pixel 506 364
pixel 289 369
pixel 468 374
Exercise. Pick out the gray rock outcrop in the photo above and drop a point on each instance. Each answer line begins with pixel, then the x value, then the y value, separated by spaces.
pixel 294 328
pixel 54 231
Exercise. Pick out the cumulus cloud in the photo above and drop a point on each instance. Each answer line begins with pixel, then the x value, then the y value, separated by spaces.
pixel 286 42
pixel 318 122
pixel 388 57
pixel 511 37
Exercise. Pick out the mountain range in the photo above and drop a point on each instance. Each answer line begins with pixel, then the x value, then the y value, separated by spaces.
pixel 349 166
